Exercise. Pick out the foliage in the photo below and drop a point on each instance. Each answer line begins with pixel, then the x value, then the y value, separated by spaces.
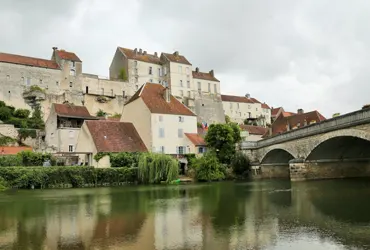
pixel 190 158
pixel 208 168
pixel 199 124
pixel 222 139
pixel 154 168
pixel 25 133
pixel 18 122
pixel 122 74
pixel 34 88
pixel 44 177
pixel 116 115
pixel 3 184
pixel 240 164
pixel 2 104
pixel 124 159
pixel 6 140
pixel 36 121
pixel 227 119
pixel 10 160
pixel 336 114
pixel 100 155
pixel 5 113
pixel 22 113
pixel 101 113
pixel 26 158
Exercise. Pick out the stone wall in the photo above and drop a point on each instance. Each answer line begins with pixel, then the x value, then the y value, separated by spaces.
pixel 328 170
pixel 209 109
pixel 8 130
pixel 274 171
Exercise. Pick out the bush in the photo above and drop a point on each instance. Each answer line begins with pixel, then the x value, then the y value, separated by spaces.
pixel 154 168
pixel 44 177
pixel 208 168
pixel 5 113
pixel 240 164
pixel 30 158
pixel 10 160
pixel 22 113
pixel 124 159
pixel 18 122
pixel 3 184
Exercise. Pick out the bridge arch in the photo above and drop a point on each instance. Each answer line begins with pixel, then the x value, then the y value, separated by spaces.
pixel 348 144
pixel 277 156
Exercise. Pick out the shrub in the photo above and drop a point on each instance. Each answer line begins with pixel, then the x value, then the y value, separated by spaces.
pixel 100 113
pixel 18 122
pixel 2 104
pixel 3 184
pixel 10 160
pixel 124 159
pixel 30 158
pixel 44 177
pixel 154 168
pixel 5 113
pixel 22 113
pixel 6 140
pixel 208 168
pixel 240 164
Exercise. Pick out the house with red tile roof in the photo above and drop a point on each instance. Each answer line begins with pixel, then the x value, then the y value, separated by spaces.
pixel 197 145
pixel 289 121
pixel 275 112
pixel 63 126
pixel 104 136
pixel 160 119
pixel 245 108
pixel 252 133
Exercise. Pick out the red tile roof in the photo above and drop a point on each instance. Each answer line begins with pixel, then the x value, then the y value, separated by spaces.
pixel 254 130
pixel 265 106
pixel 130 54
pixel 28 61
pixel 115 136
pixel 196 139
pixel 295 121
pixel 232 98
pixel 68 56
pixel 68 110
pixel 13 150
pixel 255 100
pixel 275 111
pixel 176 58
pixel 153 96
pixel 204 76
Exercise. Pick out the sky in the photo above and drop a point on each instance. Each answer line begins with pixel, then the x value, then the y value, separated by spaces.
pixel 309 54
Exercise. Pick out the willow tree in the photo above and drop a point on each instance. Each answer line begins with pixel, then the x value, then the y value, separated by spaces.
pixel 154 168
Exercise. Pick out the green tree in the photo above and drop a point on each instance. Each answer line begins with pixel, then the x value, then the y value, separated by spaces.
pixel 222 139
pixel 123 74
pixel 240 164
pixel 36 121
pixel 5 113
pixel 22 113
pixel 208 168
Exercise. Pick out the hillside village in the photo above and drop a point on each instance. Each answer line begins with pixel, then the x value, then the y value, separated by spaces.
pixel 149 102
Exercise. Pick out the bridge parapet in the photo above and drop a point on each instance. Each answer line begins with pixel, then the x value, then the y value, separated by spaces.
pixel 344 121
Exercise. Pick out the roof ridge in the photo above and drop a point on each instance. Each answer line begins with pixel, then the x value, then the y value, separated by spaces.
pixel 142 89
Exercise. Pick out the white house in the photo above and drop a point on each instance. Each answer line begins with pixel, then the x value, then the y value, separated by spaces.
pixel 160 119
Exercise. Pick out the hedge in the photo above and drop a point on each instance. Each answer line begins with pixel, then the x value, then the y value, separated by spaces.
pixel 54 177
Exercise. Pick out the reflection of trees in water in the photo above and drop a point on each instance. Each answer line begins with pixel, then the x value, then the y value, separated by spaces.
pixel 30 235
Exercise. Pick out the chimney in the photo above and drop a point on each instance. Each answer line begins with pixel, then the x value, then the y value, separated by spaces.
pixel 300 111
pixel 197 69
pixel 144 52
pixel 176 53
pixel 155 54
pixel 167 94
pixel 212 73
pixel 135 51
pixel 248 95
pixel 55 48
pixel 140 51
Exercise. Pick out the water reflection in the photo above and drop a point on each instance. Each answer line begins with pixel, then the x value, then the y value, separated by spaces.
pixel 254 215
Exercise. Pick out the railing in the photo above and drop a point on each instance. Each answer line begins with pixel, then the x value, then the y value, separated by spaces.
pixel 344 121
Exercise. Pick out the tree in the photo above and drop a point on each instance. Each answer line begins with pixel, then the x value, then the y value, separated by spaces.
pixel 22 113
pixel 5 113
pixel 240 164
pixel 208 168
pixel 123 74
pixel 222 139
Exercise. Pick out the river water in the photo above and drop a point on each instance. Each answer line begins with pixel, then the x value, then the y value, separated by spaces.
pixel 316 215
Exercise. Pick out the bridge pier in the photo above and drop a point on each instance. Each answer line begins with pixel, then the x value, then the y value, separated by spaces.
pixel 328 169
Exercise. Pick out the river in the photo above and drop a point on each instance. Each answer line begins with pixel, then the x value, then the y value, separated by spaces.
pixel 332 214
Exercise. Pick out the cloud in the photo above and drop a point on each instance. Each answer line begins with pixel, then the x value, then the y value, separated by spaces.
pixel 297 54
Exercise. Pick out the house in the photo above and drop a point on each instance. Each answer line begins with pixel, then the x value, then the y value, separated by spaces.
pixel 252 133
pixel 106 136
pixel 275 112
pixel 287 122
pixel 245 108
pixel 160 119
pixel 63 126
pixel 197 145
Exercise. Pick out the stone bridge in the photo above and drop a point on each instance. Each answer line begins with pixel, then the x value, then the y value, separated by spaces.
pixel 335 148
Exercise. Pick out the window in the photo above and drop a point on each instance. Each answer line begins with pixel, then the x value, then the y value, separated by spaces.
pixel 181 93
pixel 150 80
pixel 135 63
pixel 256 109
pixel 57 83
pixel 199 86
pixel 161 149
pixel 72 64
pixel 165 70
pixel 161 132
pixel 159 72
pixel 87 89
pixel 72 72
pixel 7 77
pixel 180 133
pixel 181 83
pixel 201 150
pixel 209 87
pixel 189 94
pixel 70 148
pixel 70 84
pixel 136 79
pixel 215 88
pixel 136 72
pixel 150 70
pixel 123 93
pixel 160 118
pixel 181 119
pixel 40 81
pixel 238 105
pixel 188 84
pixel 52 135
pixel 71 134
pixel 180 150
pixel 249 106
pixel 28 81
pixel 187 70
pixel 180 69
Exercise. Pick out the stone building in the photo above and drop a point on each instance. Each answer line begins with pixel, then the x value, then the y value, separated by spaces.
pixel 199 91
pixel 245 108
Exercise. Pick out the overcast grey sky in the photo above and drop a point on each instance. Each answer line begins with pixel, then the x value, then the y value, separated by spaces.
pixel 310 54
